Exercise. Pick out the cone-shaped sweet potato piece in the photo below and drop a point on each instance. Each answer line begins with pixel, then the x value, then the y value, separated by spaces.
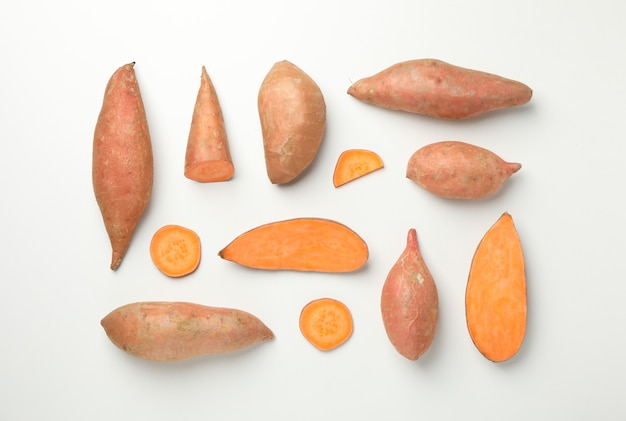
pixel 409 302
pixel 495 298
pixel 293 121
pixel 122 167
pixel 458 170
pixel 438 89
pixel 207 158
pixel 301 244
pixel 173 331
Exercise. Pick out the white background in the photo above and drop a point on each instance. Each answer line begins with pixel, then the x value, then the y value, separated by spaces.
pixel 567 202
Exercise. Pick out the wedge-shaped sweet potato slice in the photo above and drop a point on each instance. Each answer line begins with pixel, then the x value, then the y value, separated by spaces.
pixel 355 163
pixel 301 244
pixel 495 299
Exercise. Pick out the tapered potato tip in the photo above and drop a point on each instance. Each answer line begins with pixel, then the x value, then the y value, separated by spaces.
pixel 116 260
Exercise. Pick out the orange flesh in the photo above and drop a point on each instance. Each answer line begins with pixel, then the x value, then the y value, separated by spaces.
pixel 175 250
pixel 302 244
pixel 326 323
pixel 210 171
pixel 496 293
pixel 355 163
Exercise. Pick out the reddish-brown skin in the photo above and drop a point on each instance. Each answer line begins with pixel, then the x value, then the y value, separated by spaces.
pixel 458 170
pixel 409 302
pixel 293 121
pixel 438 89
pixel 122 170
pixel 207 158
pixel 173 331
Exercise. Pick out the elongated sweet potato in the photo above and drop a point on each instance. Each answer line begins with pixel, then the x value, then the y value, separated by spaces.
pixel 122 168
pixel 438 89
pixel 495 298
pixel 301 244
pixel 173 331
pixel 207 158
pixel 355 163
pixel 292 111
pixel 458 170
pixel 409 302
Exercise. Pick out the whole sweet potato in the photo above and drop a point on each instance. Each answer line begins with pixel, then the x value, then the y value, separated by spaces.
pixel 458 170
pixel 172 331
pixel 438 89
pixel 122 167
pixel 409 302
pixel 293 121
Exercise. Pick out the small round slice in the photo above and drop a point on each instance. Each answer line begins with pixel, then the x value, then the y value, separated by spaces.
pixel 326 323
pixel 175 250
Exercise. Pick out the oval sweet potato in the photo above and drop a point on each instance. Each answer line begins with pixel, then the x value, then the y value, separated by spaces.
pixel 439 89
pixel 122 168
pixel 173 331
pixel 458 170
pixel 292 111
pixel 409 302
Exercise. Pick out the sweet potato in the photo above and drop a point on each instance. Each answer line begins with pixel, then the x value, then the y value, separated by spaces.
pixel 438 89
pixel 207 158
pixel 293 121
pixel 122 168
pixel 495 298
pixel 173 331
pixel 458 170
pixel 409 302
pixel 355 163
pixel 175 250
pixel 326 323
pixel 301 244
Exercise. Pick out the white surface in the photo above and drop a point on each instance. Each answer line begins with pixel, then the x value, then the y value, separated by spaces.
pixel 567 202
